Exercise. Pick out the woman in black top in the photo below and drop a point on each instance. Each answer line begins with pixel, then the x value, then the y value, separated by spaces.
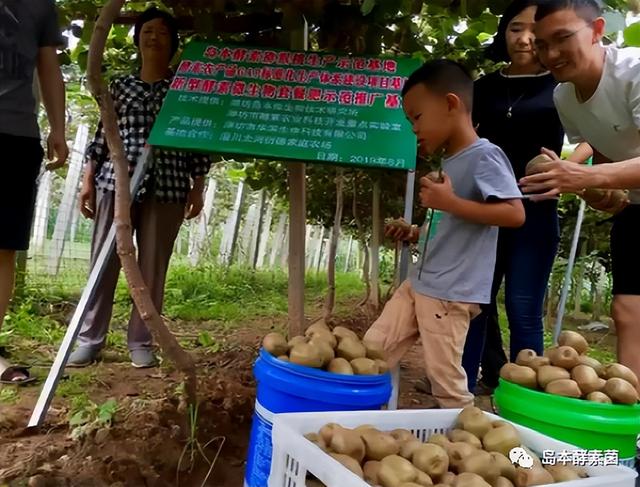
pixel 513 108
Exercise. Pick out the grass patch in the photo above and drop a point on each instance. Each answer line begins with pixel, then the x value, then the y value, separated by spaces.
pixel 77 384
pixel 232 295
pixel 9 395
pixel 26 325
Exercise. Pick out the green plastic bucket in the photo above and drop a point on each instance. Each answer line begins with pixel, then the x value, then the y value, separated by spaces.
pixel 585 424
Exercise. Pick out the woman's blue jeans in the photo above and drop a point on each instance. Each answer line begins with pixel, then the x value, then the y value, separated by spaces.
pixel 524 260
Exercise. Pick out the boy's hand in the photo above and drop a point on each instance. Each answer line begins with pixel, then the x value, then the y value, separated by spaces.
pixel 398 229
pixel 438 196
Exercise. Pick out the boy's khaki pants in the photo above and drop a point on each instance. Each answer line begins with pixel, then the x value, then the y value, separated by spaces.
pixel 443 327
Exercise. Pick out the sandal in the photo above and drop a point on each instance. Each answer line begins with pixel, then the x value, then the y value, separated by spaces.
pixel 14 374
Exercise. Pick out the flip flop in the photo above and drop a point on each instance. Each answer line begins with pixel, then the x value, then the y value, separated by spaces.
pixel 14 374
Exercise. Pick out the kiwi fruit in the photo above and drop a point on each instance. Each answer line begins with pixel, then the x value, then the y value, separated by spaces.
pixel 622 372
pixel 275 344
pixel 565 357
pixel 370 470
pixel 458 435
pixel 410 484
pixel 448 478
pixel 469 412
pixel 440 440
pixel 574 340
pixel 501 440
pixel 316 439
pixel 519 374
pixel 296 340
pixel 594 364
pixel 317 326
pixel 533 166
pixel 340 366
pixel 366 427
pixel 431 459
pixel 305 354
pixel 498 423
pixel 549 373
pixel 327 336
pixel 502 482
pixel 547 353
pixel 474 421
pixel 284 358
pixel 374 350
pixel 469 479
pixel 395 470
pixel 423 479
pixel 538 362
pixel 379 445
pixel 526 477
pixel 326 432
pixel 324 349
pixel 347 442
pixel 407 448
pixel 457 452
pixel 525 357
pixel 598 396
pixel 401 435
pixel 481 463
pixel 383 366
pixel 564 387
pixel 620 391
pixel 351 349
pixel 341 332
pixel 587 379
pixel 349 462
pixel 364 366
pixel 562 473
pixel 507 469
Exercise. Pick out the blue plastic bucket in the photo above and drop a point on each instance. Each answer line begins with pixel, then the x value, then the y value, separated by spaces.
pixel 288 388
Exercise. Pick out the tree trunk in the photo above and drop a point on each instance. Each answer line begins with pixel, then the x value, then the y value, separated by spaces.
pixel 347 259
pixel 122 214
pixel 265 234
pixel 363 241
pixel 333 245
pixel 376 232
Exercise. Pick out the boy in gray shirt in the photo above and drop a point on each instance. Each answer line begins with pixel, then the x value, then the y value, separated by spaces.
pixel 477 194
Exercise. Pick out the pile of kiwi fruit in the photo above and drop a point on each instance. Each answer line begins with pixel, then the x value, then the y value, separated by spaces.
pixel 474 454
pixel 567 370
pixel 337 350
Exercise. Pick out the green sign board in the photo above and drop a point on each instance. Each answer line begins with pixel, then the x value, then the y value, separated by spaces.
pixel 289 105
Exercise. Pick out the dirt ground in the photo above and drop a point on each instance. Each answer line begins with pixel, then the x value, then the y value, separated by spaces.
pixel 148 442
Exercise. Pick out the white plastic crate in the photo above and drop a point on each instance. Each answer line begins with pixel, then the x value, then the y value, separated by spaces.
pixel 294 456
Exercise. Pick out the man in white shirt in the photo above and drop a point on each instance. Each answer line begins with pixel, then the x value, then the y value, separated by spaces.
pixel 598 100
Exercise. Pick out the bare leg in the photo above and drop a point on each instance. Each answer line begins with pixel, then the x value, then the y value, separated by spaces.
pixel 626 314
pixel 7 278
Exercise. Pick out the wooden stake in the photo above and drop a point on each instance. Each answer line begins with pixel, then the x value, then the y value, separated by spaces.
pixel 376 231
pixel 296 24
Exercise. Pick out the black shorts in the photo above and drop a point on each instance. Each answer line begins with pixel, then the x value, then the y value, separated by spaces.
pixel 20 161
pixel 625 251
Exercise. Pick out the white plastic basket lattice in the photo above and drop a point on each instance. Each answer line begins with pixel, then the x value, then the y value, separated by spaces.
pixel 294 456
